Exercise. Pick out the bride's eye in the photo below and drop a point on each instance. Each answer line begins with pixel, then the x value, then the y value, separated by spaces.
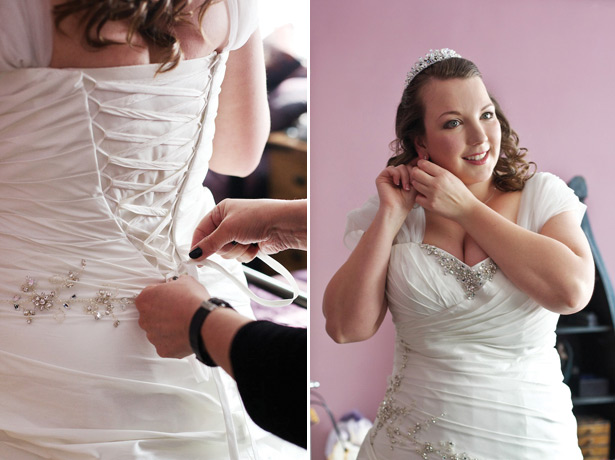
pixel 451 124
pixel 488 115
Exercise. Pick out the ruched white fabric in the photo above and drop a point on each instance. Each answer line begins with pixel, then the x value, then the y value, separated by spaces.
pixel 472 378
pixel 105 166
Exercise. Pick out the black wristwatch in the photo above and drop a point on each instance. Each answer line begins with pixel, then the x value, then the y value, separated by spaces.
pixel 196 340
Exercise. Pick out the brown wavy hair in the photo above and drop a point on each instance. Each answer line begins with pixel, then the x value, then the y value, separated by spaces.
pixel 511 170
pixel 154 20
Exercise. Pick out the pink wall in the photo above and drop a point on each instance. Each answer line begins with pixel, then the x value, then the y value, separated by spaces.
pixel 551 64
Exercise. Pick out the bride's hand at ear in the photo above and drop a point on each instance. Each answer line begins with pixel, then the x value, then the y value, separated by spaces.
pixel 440 191
pixel 395 190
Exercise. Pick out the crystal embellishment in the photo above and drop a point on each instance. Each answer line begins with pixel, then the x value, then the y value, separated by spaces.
pixel 430 58
pixel 391 416
pixel 32 300
pixel 470 278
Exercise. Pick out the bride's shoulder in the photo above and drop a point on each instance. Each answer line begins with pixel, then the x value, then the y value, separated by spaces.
pixel 544 196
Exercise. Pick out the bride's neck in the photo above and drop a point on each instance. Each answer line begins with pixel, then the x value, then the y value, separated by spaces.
pixel 483 191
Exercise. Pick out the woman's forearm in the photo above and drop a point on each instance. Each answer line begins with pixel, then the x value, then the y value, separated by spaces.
pixel 554 267
pixel 218 332
pixel 289 223
pixel 354 303
pixel 243 122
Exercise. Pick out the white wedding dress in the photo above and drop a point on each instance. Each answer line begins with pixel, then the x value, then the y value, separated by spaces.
pixel 476 374
pixel 101 176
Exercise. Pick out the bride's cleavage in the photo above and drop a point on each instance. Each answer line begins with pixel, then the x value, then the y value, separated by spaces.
pixel 472 253
pixel 452 239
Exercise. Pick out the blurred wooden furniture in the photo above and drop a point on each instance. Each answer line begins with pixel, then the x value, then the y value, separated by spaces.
pixel 288 180
pixel 287 159
pixel 594 437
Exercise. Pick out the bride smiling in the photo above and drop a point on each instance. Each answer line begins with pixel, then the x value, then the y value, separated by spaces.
pixel 476 258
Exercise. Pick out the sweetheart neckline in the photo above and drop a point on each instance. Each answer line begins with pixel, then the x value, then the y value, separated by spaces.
pixel 471 267
pixel 472 279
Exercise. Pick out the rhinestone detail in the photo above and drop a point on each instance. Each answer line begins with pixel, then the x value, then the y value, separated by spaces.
pixel 471 279
pixel 430 58
pixel 31 301
pixel 390 418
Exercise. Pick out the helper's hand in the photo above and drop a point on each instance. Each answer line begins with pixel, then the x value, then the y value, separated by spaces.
pixel 237 229
pixel 166 310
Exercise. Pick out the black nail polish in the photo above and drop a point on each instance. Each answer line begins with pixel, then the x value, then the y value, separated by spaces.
pixel 196 253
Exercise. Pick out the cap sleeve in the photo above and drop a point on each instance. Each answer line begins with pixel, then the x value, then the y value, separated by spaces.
pixel 358 220
pixel 545 196
pixel 243 22
pixel 25 34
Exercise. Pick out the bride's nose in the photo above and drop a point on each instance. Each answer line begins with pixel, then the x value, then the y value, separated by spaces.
pixel 476 134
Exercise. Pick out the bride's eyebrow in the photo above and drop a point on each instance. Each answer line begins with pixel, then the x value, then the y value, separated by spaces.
pixel 450 112
pixel 455 112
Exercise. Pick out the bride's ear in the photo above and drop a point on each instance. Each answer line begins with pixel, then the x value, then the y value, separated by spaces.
pixel 421 149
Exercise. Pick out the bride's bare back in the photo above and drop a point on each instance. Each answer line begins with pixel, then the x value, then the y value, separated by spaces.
pixel 70 49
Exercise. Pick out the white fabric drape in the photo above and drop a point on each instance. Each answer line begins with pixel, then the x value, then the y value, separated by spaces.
pixel 473 378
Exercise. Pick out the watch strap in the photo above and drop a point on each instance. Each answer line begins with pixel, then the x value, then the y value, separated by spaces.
pixel 196 339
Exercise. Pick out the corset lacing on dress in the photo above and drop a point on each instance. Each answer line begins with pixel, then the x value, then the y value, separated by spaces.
pixel 145 206
pixel 142 189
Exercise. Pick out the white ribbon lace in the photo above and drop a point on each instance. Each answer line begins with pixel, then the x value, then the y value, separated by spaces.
pixel 271 262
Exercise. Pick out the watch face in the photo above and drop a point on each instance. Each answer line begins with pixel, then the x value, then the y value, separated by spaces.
pixel 217 302
pixel 209 305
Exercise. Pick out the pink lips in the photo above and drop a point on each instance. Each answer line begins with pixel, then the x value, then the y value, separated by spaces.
pixel 480 161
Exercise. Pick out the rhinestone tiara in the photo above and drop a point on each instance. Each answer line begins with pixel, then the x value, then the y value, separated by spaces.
pixel 430 58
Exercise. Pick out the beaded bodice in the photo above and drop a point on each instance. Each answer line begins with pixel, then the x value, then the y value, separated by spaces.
pixel 471 278
pixel 446 308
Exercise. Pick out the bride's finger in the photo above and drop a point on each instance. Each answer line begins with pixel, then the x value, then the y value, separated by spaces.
pixel 429 167
pixel 404 174
pixel 399 176
pixel 421 200
pixel 420 176
pixel 393 174
pixel 421 188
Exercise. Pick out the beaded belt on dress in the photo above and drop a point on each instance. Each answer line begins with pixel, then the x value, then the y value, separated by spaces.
pixel 57 298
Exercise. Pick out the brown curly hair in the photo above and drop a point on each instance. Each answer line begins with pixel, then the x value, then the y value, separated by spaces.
pixel 154 20
pixel 511 171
